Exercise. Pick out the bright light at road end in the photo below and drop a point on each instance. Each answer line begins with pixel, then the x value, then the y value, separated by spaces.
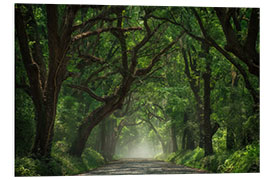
pixel 141 150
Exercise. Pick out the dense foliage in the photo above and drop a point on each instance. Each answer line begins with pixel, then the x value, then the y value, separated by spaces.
pixel 240 161
pixel 97 83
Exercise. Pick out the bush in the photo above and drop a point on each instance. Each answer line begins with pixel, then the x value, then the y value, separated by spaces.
pixel 92 159
pixel 73 165
pixel 246 160
pixel 25 167
pixel 190 158
pixel 59 164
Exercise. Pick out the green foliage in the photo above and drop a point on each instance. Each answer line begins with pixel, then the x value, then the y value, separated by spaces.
pixel 73 165
pixel 61 163
pixel 219 140
pixel 165 91
pixel 162 156
pixel 246 160
pixel 188 158
pixel 241 161
pixel 24 123
pixel 92 159
pixel 25 167
pixel 28 166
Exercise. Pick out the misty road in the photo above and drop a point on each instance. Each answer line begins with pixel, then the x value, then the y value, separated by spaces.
pixel 141 166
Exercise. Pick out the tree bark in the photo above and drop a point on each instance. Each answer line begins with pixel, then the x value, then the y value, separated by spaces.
pixel 207 111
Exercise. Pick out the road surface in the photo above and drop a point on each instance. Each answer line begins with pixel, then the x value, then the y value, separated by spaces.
pixel 141 166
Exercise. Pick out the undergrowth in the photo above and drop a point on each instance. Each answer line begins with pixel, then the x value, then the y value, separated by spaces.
pixel 59 164
pixel 241 161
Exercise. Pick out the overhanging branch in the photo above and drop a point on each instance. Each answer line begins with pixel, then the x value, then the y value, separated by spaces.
pixel 88 91
pixel 98 31
pixel 92 58
pixel 144 71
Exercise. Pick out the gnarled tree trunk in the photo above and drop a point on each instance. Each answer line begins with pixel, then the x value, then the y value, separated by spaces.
pixel 44 89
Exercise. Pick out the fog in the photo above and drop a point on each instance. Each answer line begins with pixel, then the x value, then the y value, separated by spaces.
pixel 140 150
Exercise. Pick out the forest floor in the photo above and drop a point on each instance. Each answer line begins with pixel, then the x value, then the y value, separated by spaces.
pixel 141 166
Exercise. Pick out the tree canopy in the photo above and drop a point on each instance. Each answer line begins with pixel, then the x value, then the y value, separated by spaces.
pixel 97 83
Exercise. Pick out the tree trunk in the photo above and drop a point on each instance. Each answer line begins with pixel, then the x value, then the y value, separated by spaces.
pixel 103 138
pixel 187 139
pixel 247 53
pixel 91 121
pixel 207 112
pixel 44 134
pixel 200 121
pixel 44 89
pixel 195 87
pixel 190 140
pixel 173 137
pixel 108 138
pixel 158 136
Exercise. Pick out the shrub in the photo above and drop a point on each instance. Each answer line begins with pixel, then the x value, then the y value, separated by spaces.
pixel 25 167
pixel 189 158
pixel 60 163
pixel 92 159
pixel 246 160
pixel 74 165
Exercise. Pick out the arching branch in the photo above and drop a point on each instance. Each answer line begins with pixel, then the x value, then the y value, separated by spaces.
pixel 88 91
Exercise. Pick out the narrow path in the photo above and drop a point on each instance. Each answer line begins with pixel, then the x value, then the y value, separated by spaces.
pixel 141 166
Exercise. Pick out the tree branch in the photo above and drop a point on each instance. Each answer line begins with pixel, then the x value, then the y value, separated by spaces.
pixel 88 91
pixel 95 73
pixel 133 124
pixel 253 30
pixel 32 68
pixel 98 31
pixel 92 58
pixel 156 116
pixel 144 71
pixel 211 42
pixel 36 50
pixel 101 16
pixel 120 36
pixel 249 56
pixel 66 28
pixel 200 22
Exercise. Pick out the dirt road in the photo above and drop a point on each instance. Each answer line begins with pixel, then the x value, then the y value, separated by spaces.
pixel 141 166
